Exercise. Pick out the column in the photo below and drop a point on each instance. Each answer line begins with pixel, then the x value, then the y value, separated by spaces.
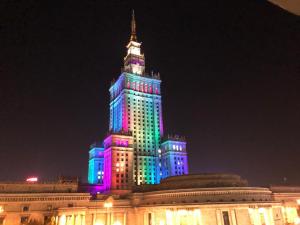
pixel 82 220
pixel 177 221
pixel 124 218
pixel 257 217
pixel 233 217
pixel 218 216
pixel 270 215
pixel 111 218
pixel 93 219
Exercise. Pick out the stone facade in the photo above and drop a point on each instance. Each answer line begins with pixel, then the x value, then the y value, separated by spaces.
pixel 172 204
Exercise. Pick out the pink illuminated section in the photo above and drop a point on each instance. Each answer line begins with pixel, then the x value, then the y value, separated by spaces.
pixel 125 118
pixel 32 179
pixel 142 87
pixel 123 143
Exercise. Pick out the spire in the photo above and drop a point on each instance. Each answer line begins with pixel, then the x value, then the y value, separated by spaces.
pixel 134 61
pixel 133 28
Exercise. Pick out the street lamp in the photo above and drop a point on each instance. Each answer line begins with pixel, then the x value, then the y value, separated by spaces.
pixel 108 205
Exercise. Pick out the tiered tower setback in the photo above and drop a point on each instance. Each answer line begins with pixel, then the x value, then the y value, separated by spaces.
pixel 96 164
pixel 174 157
pixel 136 112
pixel 118 156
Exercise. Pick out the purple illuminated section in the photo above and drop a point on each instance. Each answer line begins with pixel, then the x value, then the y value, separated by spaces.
pixel 137 62
pixel 161 126
pixel 95 189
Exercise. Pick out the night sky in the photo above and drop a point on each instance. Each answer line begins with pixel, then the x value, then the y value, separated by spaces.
pixel 230 71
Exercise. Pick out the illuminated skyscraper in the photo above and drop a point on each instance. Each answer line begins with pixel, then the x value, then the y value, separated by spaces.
pixel 136 112
pixel 136 106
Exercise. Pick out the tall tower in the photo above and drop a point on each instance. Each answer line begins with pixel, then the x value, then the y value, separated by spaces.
pixel 132 152
pixel 135 106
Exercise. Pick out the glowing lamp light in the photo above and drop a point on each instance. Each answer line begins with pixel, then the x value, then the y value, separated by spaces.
pixel 107 204
pixel 99 223
pixel 261 210
pixel 297 220
pixel 63 220
pixel 298 201
pixel 182 212
pixel 1 209
pixel 32 179
pixel 117 223
pixel 169 215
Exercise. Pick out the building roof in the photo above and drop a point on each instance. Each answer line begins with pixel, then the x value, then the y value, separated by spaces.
pixel 203 180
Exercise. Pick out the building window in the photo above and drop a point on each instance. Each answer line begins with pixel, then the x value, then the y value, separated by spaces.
pixel 1 220
pixel 262 218
pixel 226 218
pixel 149 219
pixel 25 208
pixel 24 219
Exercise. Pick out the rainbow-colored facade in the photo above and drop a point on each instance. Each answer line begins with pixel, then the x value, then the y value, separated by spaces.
pixel 132 153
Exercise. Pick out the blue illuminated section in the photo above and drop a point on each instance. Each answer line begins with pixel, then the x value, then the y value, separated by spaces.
pixel 174 160
pixel 117 105
pixel 96 165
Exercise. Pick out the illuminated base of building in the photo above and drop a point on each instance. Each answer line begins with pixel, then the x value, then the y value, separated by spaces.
pixel 205 199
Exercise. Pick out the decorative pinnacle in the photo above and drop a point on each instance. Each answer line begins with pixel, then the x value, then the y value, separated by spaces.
pixel 133 28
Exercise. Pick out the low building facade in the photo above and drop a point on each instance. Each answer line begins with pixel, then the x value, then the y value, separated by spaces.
pixel 205 199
